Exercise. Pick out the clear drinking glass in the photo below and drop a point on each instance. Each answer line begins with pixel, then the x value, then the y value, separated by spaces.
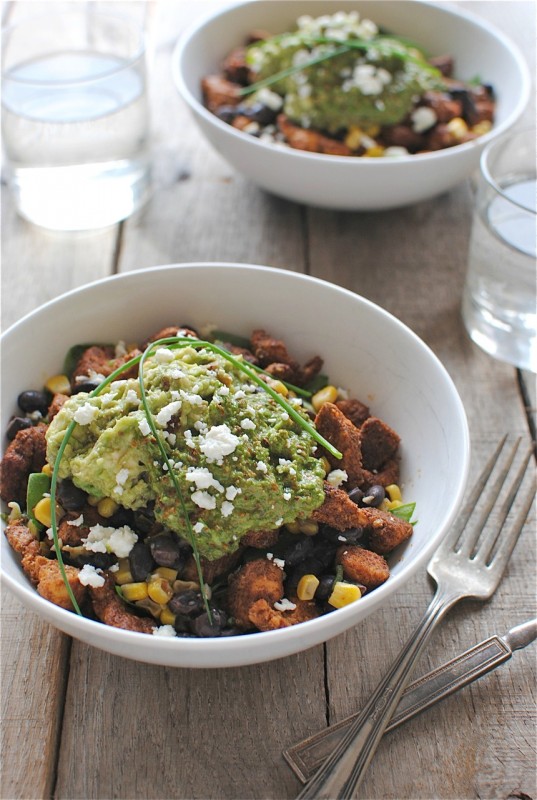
pixel 75 118
pixel 500 300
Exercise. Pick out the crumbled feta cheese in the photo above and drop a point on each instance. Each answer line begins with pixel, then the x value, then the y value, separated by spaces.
pixel 85 414
pixel 239 395
pixel 90 576
pixel 269 98
pixel 166 413
pixel 122 476
pixel 203 478
pixel 192 398
pixel 76 522
pixel 278 522
pixel 204 500
pixel 232 492
pixel 144 427
pixel 368 79
pixel 395 152
pixel 198 527
pixel 189 441
pixel 279 562
pixel 336 477
pixel 227 508
pixel 164 630
pixel 423 118
pixel 164 355
pixel 284 605
pixel 119 541
pixel 114 568
pixel 248 424
pixel 132 397
pixel 287 495
pixel 218 442
pixel 223 390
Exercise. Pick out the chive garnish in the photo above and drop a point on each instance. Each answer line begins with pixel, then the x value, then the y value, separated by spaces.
pixel 173 343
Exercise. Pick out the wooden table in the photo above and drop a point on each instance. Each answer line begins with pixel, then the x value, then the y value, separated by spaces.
pixel 79 723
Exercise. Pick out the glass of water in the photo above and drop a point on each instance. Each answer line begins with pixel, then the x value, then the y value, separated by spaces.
pixel 499 302
pixel 75 117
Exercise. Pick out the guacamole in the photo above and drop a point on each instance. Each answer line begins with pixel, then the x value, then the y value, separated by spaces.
pixel 242 464
pixel 375 82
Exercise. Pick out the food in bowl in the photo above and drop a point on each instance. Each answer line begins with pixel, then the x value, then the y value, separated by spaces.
pixel 340 86
pixel 200 488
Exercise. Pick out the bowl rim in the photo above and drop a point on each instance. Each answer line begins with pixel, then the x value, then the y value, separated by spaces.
pixel 325 158
pixel 196 647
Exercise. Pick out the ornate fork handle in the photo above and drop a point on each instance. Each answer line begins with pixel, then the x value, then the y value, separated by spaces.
pixel 342 772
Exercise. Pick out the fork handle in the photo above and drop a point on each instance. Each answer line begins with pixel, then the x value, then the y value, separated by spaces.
pixel 342 772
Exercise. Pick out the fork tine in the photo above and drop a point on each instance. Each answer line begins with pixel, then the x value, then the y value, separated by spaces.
pixel 508 542
pixel 471 535
pixel 455 532
pixel 485 547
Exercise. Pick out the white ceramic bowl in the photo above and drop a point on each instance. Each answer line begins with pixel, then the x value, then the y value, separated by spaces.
pixel 365 349
pixel 336 181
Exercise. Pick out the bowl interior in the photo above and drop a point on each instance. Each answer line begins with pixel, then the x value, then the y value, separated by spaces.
pixel 365 349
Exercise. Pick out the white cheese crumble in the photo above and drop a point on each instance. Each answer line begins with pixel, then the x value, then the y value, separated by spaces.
pixel 336 477
pixel 248 425
pixel 166 413
pixel 269 99
pixel 132 397
pixel 368 79
pixel 91 576
pixel 204 499
pixel 395 152
pixel 76 522
pixel 278 522
pixel 284 605
pixel 218 442
pixel 198 527
pixel 423 118
pixel 119 541
pixel 164 355
pixel 227 508
pixel 143 425
pixel 287 495
pixel 164 630
pixel 85 414
pixel 203 478
pixel 232 492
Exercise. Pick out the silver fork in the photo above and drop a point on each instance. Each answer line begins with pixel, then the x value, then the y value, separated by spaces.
pixel 469 563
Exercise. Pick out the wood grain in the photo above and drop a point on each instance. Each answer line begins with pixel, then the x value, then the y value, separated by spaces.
pixel 80 723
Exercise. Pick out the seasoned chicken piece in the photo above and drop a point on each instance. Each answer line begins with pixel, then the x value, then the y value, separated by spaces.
pixel 25 454
pixel 235 67
pixel 385 476
pixel 269 350
pixel 57 402
pixel 261 539
pixel 354 410
pixel 210 569
pixel 386 531
pixel 338 510
pixel 340 432
pixel 112 611
pixel 267 618
pixel 218 91
pixel 168 333
pixel 378 442
pixel 363 566
pixel 95 360
pixel 313 141
pixel 256 580
pixel 21 538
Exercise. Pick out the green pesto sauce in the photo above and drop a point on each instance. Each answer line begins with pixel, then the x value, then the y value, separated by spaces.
pixel 242 464
pixel 324 96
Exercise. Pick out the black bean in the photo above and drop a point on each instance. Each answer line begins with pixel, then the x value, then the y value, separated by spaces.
pixel 141 562
pixel 226 113
pixel 70 497
pixel 351 536
pixel 374 496
pixel 298 551
pixel 188 603
pixel 356 495
pixel 33 401
pixel 201 625
pixel 85 386
pixel 324 589
pixel 231 632
pixel 17 424
pixel 182 624
pixel 167 550
pixel 257 112
pixel 144 519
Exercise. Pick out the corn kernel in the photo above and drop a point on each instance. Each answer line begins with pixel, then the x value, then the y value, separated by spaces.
pixel 393 504
pixel 372 130
pixel 385 505
pixel 480 128
pixel 165 572
pixel 58 384
pixel 93 501
pixel 457 127
pixel 159 590
pixel 134 591
pixel 42 512
pixel 374 152
pixel 326 465
pixel 343 594
pixel 394 492
pixel 166 617
pixel 47 470
pixel 155 609
pixel 353 138
pixel 278 386
pixel 107 507
pixel 328 394
pixel 307 586
pixel 308 527
pixel 123 574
